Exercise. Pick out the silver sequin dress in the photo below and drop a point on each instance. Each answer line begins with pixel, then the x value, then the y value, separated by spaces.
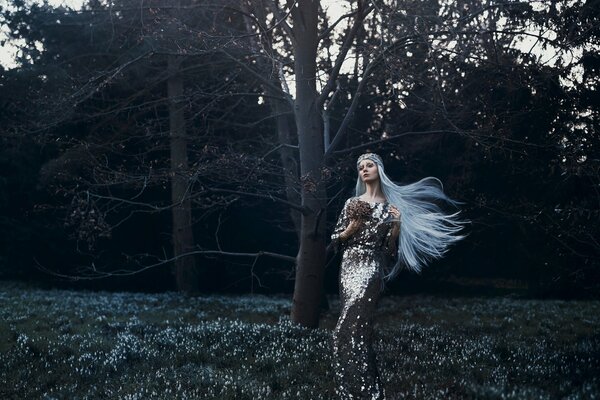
pixel 365 255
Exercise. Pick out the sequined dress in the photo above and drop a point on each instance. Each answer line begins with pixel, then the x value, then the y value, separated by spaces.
pixel 365 255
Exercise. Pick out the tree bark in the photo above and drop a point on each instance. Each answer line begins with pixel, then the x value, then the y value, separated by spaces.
pixel 288 159
pixel 310 266
pixel 183 236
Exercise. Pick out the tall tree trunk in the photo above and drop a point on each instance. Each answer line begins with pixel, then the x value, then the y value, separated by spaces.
pixel 183 237
pixel 288 159
pixel 311 255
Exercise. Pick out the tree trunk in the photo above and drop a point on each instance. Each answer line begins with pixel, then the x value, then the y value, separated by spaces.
pixel 288 159
pixel 183 236
pixel 311 255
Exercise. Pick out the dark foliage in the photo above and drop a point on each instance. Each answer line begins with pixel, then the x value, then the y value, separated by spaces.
pixel 85 137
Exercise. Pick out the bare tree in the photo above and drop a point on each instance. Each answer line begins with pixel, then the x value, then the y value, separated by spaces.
pixel 380 36
pixel 183 236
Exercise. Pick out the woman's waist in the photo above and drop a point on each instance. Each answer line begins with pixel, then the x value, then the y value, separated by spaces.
pixel 363 249
pixel 363 245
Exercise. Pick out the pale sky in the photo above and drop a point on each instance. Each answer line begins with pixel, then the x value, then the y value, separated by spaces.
pixel 334 9
pixel 8 51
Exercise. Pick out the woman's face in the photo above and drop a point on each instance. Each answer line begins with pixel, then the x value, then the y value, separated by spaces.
pixel 368 171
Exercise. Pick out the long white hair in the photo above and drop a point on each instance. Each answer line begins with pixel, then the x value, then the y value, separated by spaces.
pixel 426 231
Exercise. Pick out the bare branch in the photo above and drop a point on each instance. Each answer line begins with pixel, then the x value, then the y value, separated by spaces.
pixel 286 27
pixel 387 139
pixel 291 146
pixel 300 208
pixel 342 56
pixel 264 80
pixel 332 27
pixel 93 273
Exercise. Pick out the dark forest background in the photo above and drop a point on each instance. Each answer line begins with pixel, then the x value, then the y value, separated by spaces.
pixel 113 105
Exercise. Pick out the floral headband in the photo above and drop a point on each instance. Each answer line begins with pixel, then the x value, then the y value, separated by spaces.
pixel 369 156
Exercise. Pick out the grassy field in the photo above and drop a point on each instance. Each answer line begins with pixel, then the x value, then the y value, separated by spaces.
pixel 87 345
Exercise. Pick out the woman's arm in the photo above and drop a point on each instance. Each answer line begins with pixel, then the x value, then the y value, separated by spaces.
pixel 350 229
pixel 393 236
pixel 394 232
pixel 341 225
pixel 344 228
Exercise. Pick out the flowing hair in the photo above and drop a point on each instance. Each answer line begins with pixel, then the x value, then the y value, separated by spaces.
pixel 426 231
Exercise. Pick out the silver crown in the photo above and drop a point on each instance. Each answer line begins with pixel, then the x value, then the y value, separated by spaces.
pixel 369 156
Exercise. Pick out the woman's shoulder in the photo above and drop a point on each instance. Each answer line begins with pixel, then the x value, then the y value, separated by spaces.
pixel 347 202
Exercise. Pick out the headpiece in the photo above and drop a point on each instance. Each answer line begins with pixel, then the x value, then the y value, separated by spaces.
pixel 369 156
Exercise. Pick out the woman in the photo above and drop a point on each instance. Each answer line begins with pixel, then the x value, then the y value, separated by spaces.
pixel 383 225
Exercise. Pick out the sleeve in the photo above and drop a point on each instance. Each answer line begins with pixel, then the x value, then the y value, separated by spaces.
pixel 340 226
pixel 390 245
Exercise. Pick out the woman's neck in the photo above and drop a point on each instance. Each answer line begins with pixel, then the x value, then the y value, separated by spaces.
pixel 373 191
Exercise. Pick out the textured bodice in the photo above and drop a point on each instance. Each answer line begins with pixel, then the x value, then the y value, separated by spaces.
pixel 373 234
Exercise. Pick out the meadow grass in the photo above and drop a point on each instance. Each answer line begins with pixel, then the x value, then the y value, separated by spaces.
pixel 58 344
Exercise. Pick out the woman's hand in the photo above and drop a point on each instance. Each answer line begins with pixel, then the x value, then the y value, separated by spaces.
pixel 395 212
pixel 350 229
pixel 353 226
